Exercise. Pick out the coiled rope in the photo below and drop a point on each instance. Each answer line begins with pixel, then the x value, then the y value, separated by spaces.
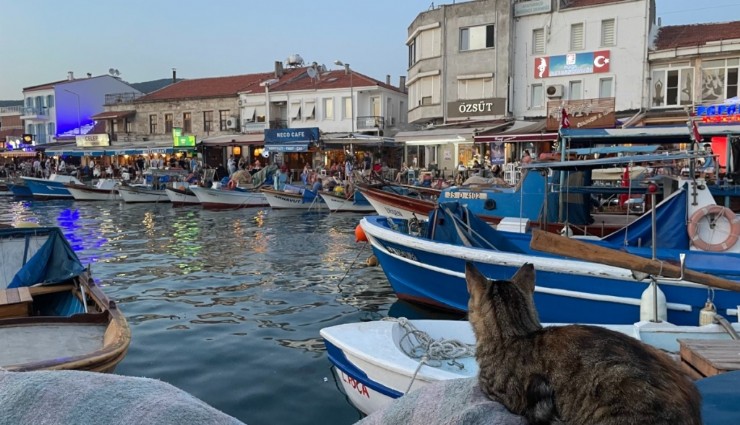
pixel 419 345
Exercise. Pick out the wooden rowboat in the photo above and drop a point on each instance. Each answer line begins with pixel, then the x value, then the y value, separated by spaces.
pixel 52 314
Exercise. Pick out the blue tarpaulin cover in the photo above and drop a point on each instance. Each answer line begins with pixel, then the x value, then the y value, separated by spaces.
pixel 54 262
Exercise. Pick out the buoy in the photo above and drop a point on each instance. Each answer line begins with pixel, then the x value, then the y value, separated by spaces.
pixel 372 261
pixel 360 234
pixel 706 315
pixel 648 304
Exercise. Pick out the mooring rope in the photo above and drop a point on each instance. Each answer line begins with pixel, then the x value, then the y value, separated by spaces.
pixel 421 346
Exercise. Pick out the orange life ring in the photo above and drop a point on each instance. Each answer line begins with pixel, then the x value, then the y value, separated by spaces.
pixel 709 212
pixel 231 185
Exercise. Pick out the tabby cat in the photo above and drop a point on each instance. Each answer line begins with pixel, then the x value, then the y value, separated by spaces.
pixel 573 374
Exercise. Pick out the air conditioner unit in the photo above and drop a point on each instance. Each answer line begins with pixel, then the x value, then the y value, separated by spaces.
pixel 232 123
pixel 241 102
pixel 554 90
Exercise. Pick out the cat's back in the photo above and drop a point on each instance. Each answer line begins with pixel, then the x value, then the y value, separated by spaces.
pixel 602 376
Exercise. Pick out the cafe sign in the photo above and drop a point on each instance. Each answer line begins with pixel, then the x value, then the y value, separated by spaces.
pixel 587 113
pixel 92 140
pixel 476 107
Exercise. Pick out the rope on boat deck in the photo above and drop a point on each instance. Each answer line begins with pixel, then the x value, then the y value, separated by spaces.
pixel 427 349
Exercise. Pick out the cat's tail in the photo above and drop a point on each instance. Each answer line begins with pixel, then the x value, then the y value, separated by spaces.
pixel 541 407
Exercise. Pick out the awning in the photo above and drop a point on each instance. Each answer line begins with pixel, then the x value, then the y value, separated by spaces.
pixel 436 136
pixel 676 134
pixel 357 139
pixel 605 150
pixel 249 113
pixel 234 140
pixel 112 115
pixel 288 147
pixel 17 154
pixel 519 131
pixel 295 110
pixel 74 151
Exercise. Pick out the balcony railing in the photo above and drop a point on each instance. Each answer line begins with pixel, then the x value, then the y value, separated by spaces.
pixel 370 123
pixel 34 113
pixel 118 98
pixel 11 110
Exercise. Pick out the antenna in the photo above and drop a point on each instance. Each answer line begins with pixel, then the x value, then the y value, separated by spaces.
pixel 312 72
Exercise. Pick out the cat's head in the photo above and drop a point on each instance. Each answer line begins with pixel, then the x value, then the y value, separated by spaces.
pixel 504 307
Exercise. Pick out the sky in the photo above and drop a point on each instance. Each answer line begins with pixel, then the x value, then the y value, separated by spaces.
pixel 41 40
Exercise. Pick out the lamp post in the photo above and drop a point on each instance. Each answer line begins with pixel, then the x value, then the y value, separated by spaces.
pixel 266 84
pixel 347 70
pixel 79 129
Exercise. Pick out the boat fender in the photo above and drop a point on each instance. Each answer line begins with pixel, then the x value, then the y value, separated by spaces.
pixel 360 234
pixel 712 213
pixel 231 185
pixel 490 204
pixel 372 261
pixel 647 304
pixel 706 314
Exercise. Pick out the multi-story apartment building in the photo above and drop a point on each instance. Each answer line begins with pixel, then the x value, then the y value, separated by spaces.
pixel 66 107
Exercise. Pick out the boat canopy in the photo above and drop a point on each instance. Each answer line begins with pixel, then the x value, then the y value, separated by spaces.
pixel 36 255
pixel 606 150
pixel 581 164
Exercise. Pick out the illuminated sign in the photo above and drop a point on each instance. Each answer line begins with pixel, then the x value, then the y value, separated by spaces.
pixel 182 141
pixel 92 140
pixel 572 64
pixel 718 110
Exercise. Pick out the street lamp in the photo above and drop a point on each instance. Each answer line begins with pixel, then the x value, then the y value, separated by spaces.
pixel 347 70
pixel 79 127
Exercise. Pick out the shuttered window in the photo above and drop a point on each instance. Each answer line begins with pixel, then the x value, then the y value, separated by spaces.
pixel 607 32
pixel 576 37
pixel 538 41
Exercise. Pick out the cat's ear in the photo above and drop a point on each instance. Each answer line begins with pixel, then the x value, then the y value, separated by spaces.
pixel 524 277
pixel 474 278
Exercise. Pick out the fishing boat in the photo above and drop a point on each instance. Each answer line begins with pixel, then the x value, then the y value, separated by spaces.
pixel 102 190
pixel 400 201
pixel 424 262
pixel 337 202
pixel 378 361
pixel 224 198
pixel 153 190
pixel 180 195
pixel 51 188
pixel 294 197
pixel 20 189
pixel 4 189
pixel 52 314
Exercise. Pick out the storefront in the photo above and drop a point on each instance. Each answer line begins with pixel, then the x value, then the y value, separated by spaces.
pixel 216 150
pixel 509 145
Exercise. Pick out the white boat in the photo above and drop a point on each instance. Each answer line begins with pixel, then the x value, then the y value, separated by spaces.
pixel 102 190
pixel 51 188
pixel 229 198
pixel 371 364
pixel 338 202
pixel 142 193
pixel 294 197
pixel 180 194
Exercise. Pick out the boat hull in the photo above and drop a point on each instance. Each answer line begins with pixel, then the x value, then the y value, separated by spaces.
pixel 568 291
pixel 181 196
pixel 229 199
pixel 52 188
pixel 338 203
pixel 133 194
pixel 393 205
pixel 288 200
pixel 90 193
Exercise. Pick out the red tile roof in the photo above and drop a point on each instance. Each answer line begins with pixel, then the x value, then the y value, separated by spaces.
pixel 44 86
pixel 670 37
pixel 567 4
pixel 333 79
pixel 200 88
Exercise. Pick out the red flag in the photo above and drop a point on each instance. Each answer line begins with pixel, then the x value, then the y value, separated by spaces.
pixel 564 121
pixel 695 132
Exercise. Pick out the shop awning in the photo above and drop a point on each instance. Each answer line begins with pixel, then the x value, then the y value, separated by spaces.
pixel 676 134
pixel 112 115
pixel 519 131
pixel 441 136
pixel 17 154
pixel 234 140
pixel 357 139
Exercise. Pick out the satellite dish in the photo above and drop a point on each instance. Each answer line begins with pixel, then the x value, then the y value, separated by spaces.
pixel 265 153
pixel 312 72
pixel 111 71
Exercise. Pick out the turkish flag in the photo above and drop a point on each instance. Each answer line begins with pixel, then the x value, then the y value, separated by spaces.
pixel 601 61
pixel 564 120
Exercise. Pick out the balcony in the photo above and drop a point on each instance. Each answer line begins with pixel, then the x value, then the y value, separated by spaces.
pixel 119 98
pixel 278 123
pixel 35 113
pixel 370 123
pixel 11 110
pixel 252 126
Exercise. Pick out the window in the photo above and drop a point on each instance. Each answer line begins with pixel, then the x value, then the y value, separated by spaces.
pixel 576 37
pixel 347 108
pixel 52 129
pixel 259 113
pixel 207 121
pixel 607 33
pixel 605 87
pixel 329 109
pixel 474 88
pixel 538 96
pixel 153 124
pixel 426 44
pixel 538 41
pixel 425 91
pixel 575 91
pixel 476 38
pixel 309 111
pixel 672 86
pixel 168 118
pixel 223 115
pixel 719 79
pixel 128 125
pixel 50 102
pixel 187 122
pixel 295 111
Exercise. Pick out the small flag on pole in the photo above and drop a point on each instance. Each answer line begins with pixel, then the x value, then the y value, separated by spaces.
pixel 695 132
pixel 564 120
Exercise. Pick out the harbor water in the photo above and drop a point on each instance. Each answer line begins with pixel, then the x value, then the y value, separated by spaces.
pixel 227 305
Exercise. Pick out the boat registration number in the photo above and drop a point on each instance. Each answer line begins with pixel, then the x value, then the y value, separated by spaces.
pixel 466 195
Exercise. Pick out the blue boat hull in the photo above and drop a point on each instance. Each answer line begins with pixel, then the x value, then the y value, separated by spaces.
pixel 48 189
